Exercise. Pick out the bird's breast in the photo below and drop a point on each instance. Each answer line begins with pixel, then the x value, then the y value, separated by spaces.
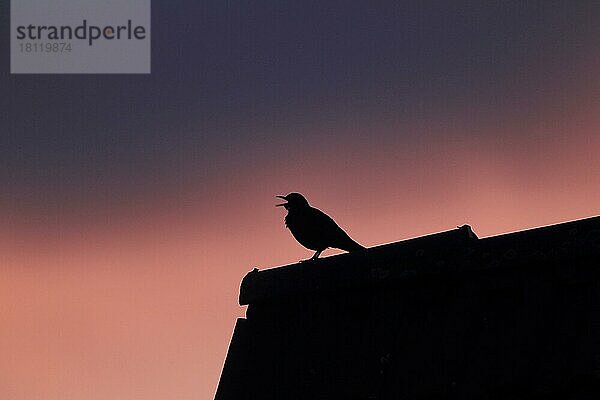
pixel 305 231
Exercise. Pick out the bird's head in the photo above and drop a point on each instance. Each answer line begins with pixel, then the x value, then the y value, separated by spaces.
pixel 294 201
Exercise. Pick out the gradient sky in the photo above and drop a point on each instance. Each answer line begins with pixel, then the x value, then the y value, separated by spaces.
pixel 132 205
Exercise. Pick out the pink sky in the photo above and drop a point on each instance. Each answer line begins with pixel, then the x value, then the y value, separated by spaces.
pixel 138 300
pixel 134 206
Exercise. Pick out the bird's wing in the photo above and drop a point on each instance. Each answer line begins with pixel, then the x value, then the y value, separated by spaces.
pixel 335 236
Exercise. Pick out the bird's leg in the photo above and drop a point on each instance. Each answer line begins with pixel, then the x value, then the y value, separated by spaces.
pixel 314 257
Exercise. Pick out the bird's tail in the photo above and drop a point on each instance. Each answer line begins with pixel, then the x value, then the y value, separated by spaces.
pixel 351 246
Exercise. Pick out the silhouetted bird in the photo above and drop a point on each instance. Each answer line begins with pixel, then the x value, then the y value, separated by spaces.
pixel 314 229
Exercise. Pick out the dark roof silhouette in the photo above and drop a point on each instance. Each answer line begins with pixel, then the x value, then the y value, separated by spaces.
pixel 442 316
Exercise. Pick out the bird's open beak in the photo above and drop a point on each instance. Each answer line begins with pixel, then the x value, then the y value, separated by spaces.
pixel 282 204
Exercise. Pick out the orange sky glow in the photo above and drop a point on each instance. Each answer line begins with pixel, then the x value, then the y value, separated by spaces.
pixel 114 288
pixel 139 301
